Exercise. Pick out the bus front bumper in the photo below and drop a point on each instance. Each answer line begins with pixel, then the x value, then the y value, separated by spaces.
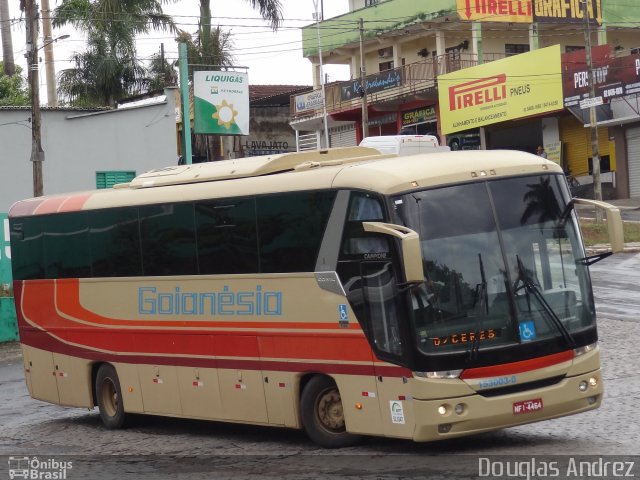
pixel 439 419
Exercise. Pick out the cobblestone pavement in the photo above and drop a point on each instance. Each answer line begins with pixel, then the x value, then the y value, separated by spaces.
pixel 30 427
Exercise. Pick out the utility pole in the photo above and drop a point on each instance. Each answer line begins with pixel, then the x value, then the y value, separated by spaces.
pixel 37 154
pixel 363 84
pixel 49 66
pixel 321 76
pixel 593 121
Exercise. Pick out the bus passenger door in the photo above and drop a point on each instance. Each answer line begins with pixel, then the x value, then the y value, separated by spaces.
pixel 383 310
pixel 369 271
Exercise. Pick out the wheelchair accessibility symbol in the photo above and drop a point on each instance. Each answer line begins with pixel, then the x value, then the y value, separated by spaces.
pixel 527 331
pixel 342 311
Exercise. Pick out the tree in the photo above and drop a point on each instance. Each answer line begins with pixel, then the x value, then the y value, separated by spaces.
pixel 270 10
pixel 103 74
pixel 9 67
pixel 13 89
pixel 161 73
pixel 108 70
pixel 215 51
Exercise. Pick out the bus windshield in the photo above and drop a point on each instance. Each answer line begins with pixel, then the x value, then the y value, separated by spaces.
pixel 502 266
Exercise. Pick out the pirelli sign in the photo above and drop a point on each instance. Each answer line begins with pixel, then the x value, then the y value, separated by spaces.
pixel 527 11
pixel 515 87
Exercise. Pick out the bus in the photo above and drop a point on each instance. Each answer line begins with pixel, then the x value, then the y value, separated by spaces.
pixel 344 292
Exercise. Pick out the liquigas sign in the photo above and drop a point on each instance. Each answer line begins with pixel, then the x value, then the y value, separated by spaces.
pixel 515 87
pixel 221 103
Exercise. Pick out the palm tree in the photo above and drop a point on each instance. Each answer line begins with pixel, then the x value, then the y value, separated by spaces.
pixel 7 42
pixel 270 10
pixel 108 70
pixel 104 73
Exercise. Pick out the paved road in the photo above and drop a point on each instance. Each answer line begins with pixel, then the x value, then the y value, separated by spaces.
pixel 169 448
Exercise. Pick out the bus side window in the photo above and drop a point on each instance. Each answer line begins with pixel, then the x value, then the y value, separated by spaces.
pixel 362 208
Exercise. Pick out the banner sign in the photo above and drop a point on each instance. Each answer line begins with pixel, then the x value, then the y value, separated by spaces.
pixel 512 11
pixel 375 83
pixel 514 87
pixel 309 101
pixel 613 76
pixel 528 11
pixel 221 103
pixel 566 11
pixel 419 115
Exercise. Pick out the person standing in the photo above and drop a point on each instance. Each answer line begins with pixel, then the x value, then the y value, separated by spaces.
pixel 540 152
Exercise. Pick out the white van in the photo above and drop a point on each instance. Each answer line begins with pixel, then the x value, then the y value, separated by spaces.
pixel 404 144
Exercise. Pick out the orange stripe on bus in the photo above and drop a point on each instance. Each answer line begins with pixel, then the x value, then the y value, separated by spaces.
pixel 49 205
pixel 24 208
pixel 517 367
pixel 74 203
pixel 68 302
pixel 38 308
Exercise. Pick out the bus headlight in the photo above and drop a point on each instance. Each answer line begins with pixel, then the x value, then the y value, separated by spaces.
pixel 586 349
pixel 583 385
pixel 593 382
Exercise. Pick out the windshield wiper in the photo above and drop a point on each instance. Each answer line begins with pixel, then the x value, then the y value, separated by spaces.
pixel 531 287
pixel 481 297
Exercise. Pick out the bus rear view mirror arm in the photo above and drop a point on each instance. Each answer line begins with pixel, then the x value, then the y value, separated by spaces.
pixel 411 251
pixel 614 222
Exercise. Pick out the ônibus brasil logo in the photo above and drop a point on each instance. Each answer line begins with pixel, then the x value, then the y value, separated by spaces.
pixel 40 469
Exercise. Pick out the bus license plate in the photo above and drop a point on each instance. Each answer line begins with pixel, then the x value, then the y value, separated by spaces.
pixel 527 406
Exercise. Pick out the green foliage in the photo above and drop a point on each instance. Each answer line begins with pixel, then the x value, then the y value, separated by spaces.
pixel 13 89
pixel 108 69
pixel 216 51
pixel 597 233
pixel 161 73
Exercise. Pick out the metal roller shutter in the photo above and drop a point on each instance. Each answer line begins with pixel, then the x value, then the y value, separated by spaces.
pixel 344 136
pixel 633 159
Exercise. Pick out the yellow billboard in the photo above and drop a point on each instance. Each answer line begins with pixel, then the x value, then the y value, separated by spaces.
pixel 512 11
pixel 515 87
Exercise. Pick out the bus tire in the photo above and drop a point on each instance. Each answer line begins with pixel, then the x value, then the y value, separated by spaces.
pixel 109 397
pixel 323 415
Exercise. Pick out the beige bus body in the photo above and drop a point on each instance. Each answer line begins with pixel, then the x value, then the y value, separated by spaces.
pixel 386 400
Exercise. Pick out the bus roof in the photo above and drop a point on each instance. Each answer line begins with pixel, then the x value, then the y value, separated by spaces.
pixel 344 168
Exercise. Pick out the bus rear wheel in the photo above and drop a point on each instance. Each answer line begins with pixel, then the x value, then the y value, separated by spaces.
pixel 109 397
pixel 323 415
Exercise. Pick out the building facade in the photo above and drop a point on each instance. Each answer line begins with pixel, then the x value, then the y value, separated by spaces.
pixel 408 49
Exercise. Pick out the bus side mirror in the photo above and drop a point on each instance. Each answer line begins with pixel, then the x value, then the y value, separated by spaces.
pixel 614 222
pixel 411 250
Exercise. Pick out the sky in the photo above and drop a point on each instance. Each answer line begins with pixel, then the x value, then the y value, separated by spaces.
pixel 272 57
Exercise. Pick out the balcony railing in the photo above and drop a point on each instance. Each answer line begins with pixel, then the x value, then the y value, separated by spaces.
pixel 388 86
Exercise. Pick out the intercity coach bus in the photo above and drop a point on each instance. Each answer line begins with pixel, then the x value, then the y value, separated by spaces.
pixel 343 291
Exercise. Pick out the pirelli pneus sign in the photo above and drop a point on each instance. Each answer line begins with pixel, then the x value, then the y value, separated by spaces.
pixel 515 87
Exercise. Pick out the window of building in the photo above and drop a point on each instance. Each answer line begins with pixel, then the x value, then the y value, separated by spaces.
pixel 573 48
pixel 369 3
pixel 385 66
pixel 515 48
pixel 110 178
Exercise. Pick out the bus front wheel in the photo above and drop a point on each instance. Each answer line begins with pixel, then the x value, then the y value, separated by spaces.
pixel 323 415
pixel 109 397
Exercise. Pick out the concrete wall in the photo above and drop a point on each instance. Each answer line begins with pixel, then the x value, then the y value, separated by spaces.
pixel 78 144
pixel 269 132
